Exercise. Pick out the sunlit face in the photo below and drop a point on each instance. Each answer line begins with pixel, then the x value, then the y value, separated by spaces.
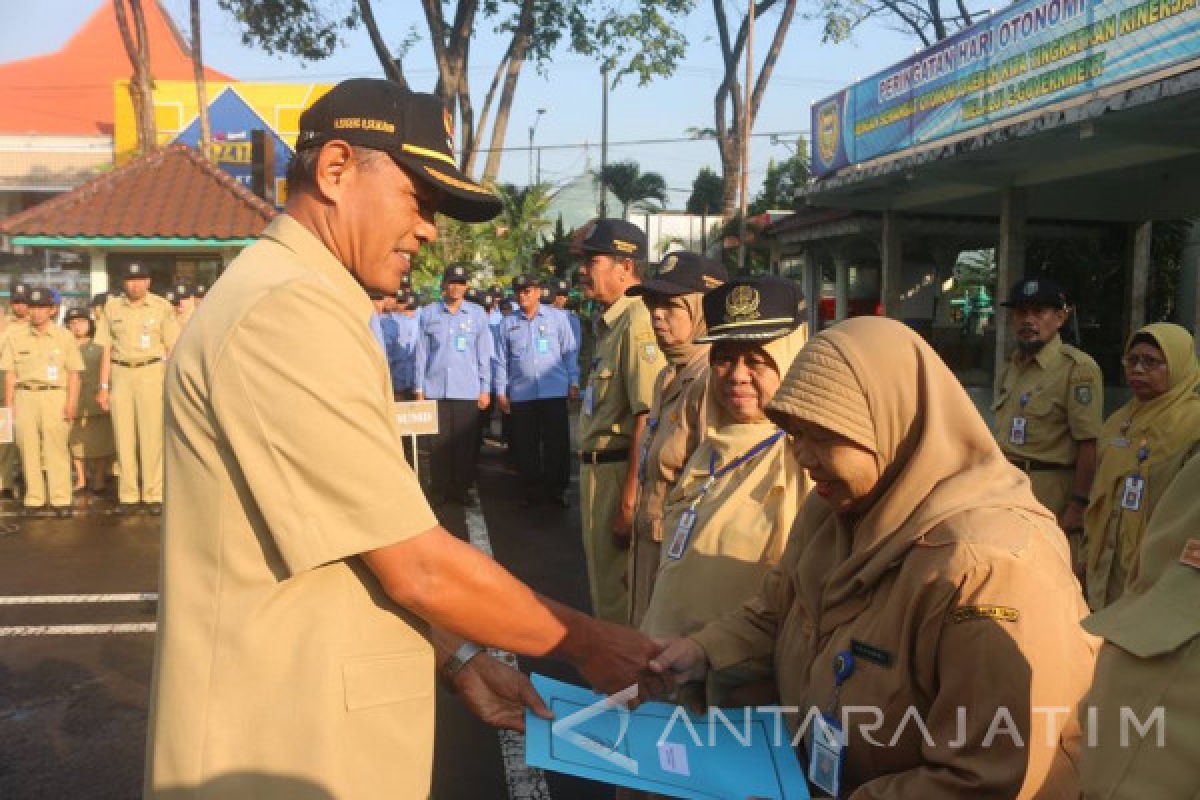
pixel 389 303
pixel 40 315
pixel 604 277
pixel 454 292
pixel 1035 325
pixel 670 318
pixel 745 378
pixel 137 288
pixel 79 327
pixel 844 472
pixel 529 299
pixel 20 310
pixel 560 301
pixel 1146 371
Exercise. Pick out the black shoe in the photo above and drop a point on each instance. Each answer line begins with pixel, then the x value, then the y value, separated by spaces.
pixel 63 512
pixel 127 509
pixel 155 509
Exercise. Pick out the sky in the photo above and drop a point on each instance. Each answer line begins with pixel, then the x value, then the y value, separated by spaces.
pixel 570 93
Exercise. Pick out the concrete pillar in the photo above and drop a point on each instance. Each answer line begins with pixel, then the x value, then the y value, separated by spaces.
pixel 891 275
pixel 1188 301
pixel 1010 262
pixel 841 286
pixel 1137 276
pixel 97 271
pixel 810 284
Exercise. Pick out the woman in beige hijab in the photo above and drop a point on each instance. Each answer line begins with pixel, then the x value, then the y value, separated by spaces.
pixel 676 420
pixel 1141 448
pixel 727 519
pixel 1151 660
pixel 925 602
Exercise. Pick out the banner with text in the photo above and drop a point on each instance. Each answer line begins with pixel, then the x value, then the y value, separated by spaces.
pixel 1029 55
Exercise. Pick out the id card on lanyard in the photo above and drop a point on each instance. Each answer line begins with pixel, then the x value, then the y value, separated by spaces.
pixel 1133 493
pixel 1016 434
pixel 687 520
pixel 828 754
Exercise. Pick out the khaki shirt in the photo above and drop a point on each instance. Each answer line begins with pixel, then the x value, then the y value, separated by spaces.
pixel 982 614
pixel 677 418
pixel 1064 403
pixel 282 668
pixel 42 358
pixel 137 332
pixel 625 363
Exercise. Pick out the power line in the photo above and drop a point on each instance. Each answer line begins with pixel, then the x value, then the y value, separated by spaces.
pixel 628 142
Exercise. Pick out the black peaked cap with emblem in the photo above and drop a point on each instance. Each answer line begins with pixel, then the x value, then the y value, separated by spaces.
pixel 755 309
pixel 135 270
pixel 415 129
pixel 525 281
pixel 455 273
pixel 1036 292
pixel 561 287
pixel 20 292
pixel 682 272
pixel 183 291
pixel 615 237
pixel 41 296
pixel 75 312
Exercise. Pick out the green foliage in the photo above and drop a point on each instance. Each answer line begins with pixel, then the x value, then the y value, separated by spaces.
pixel 633 187
pixel 555 253
pixel 307 29
pixel 707 193
pixel 782 180
pixel 646 42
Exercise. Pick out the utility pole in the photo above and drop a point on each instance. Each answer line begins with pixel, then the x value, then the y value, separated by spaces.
pixel 532 130
pixel 604 139
pixel 748 93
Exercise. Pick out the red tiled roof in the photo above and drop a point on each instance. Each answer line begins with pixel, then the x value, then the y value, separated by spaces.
pixel 169 193
pixel 71 91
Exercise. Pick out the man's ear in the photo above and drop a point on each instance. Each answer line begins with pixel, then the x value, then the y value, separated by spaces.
pixel 334 163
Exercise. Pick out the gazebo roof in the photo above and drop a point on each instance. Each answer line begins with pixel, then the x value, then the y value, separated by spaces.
pixel 172 195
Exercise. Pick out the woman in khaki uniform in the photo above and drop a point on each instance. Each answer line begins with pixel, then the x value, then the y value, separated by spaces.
pixel 1151 659
pixel 1142 447
pixel 728 517
pixel 925 600
pixel 91 436
pixel 676 421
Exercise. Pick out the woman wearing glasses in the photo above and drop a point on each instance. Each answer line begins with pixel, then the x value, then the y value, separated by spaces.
pixel 1141 448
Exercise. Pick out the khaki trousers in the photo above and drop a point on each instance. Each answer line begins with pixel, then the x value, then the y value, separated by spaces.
pixel 41 434
pixel 137 416
pixel 599 494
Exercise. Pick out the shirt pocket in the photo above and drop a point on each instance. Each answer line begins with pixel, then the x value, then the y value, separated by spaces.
pixel 601 383
pixel 380 680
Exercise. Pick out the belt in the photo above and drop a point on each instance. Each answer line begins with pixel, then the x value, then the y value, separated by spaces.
pixel 135 364
pixel 39 387
pixel 1031 465
pixel 603 456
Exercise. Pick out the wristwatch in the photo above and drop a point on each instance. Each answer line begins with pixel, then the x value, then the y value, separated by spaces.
pixel 103 386
pixel 462 655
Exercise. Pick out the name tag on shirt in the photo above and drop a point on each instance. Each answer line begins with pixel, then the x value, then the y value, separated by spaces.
pixel 144 341
pixel 1016 434
pixel 1132 493
pixel 589 401
pixel 52 372
pixel 543 345
pixel 683 532
pixel 460 343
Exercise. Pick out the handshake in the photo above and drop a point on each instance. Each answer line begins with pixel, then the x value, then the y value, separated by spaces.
pixel 610 657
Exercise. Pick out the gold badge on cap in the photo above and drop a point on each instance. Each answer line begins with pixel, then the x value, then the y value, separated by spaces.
pixel 668 265
pixel 448 121
pixel 742 304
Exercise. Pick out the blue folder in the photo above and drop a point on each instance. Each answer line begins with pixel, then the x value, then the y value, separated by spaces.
pixel 740 755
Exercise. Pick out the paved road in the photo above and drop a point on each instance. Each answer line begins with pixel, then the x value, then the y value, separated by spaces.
pixel 73 707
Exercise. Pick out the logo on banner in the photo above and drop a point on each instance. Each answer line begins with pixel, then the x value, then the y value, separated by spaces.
pixel 829 130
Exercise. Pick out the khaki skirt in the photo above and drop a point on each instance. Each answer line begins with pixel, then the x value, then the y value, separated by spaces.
pixel 92 437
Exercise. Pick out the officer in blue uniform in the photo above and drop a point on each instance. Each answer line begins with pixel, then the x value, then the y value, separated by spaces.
pixel 560 294
pixel 537 369
pixel 405 317
pixel 453 365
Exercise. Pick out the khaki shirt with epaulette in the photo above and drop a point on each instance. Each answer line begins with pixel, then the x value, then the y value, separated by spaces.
pixel 41 358
pixel 1060 393
pixel 140 331
pixel 625 364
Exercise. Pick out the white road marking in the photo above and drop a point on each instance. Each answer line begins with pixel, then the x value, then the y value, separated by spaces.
pixel 524 782
pixel 55 599
pixel 77 630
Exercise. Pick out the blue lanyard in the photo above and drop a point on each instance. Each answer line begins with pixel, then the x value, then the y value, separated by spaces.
pixel 715 474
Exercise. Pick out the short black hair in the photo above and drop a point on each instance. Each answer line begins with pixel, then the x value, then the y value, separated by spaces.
pixel 302 169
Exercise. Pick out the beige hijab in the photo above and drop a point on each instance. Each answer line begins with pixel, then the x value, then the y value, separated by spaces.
pixel 687 351
pixel 878 383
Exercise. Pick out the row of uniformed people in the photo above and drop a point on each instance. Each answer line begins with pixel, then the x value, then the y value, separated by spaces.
pixel 1102 479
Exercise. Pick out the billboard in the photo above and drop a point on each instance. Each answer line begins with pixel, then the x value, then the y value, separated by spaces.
pixel 1031 54
pixel 234 109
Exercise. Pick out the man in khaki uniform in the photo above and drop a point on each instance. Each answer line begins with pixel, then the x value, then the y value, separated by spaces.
pixel 41 364
pixel 18 312
pixel 137 332
pixel 620 389
pixel 307 589
pixel 1049 406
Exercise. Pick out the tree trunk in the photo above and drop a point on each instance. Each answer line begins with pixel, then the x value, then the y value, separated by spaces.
pixel 521 39
pixel 481 125
pixel 201 88
pixel 391 69
pixel 141 84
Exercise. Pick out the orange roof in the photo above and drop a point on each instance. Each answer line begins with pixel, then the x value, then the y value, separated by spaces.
pixel 71 91
pixel 170 193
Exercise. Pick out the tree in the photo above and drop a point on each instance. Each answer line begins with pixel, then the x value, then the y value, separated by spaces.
pixel 730 99
pixel 928 20
pixel 631 186
pixel 706 193
pixel 782 180
pixel 644 41
pixel 141 85
pixel 201 88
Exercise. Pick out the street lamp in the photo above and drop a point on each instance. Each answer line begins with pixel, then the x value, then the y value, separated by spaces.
pixel 532 130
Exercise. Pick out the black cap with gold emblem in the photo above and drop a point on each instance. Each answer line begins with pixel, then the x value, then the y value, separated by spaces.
pixel 755 309
pixel 1041 292
pixel 415 129
pixel 682 272
pixel 615 237
pixel 41 296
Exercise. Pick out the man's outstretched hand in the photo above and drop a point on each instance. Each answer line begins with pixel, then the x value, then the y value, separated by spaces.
pixel 498 694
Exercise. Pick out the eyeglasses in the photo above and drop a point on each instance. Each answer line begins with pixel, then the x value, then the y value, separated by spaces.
pixel 1148 363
